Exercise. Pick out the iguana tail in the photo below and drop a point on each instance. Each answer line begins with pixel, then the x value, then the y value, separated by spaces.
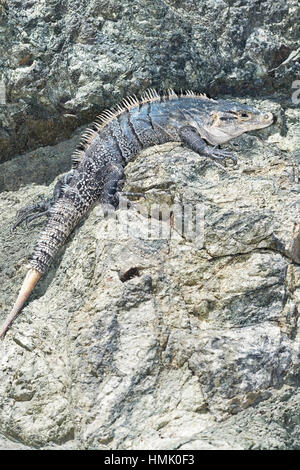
pixel 32 277
pixel 64 216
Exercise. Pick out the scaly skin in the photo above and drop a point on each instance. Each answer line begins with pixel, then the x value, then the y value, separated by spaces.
pixel 115 138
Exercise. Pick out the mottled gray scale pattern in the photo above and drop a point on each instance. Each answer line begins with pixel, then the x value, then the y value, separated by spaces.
pixel 158 115
pixel 85 189
pixel 123 143
pixel 59 226
pixel 82 192
pixel 103 149
pixel 139 120
pixel 129 145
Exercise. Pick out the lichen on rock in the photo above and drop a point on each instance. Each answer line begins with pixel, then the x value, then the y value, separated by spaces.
pixel 133 340
pixel 137 342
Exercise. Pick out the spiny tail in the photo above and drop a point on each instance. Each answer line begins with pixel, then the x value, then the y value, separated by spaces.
pixel 60 224
pixel 29 283
pixel 64 217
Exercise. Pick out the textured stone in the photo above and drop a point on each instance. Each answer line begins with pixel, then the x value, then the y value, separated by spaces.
pixel 131 342
pixel 168 341
pixel 65 61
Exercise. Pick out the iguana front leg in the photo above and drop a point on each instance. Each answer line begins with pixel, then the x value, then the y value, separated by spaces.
pixel 190 137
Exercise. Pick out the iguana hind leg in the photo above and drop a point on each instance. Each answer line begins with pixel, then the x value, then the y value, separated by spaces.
pixel 126 194
pixel 31 212
pixel 42 208
pixel 111 193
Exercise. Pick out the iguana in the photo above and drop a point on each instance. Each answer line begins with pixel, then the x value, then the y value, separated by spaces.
pixel 117 135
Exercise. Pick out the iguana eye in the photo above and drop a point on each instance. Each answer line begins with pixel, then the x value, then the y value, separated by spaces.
pixel 244 115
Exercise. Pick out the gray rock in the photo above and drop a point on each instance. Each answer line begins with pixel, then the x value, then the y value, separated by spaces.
pixel 65 61
pixel 144 336
pixel 147 333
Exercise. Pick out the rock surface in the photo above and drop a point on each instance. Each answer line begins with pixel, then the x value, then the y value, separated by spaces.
pixel 167 341
pixel 64 61
pixel 145 335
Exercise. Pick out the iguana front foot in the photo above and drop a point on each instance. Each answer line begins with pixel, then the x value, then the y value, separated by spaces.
pixel 194 141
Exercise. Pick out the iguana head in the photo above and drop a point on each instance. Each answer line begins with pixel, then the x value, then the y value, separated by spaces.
pixel 226 120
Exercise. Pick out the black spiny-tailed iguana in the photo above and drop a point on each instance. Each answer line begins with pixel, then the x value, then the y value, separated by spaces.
pixel 115 138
